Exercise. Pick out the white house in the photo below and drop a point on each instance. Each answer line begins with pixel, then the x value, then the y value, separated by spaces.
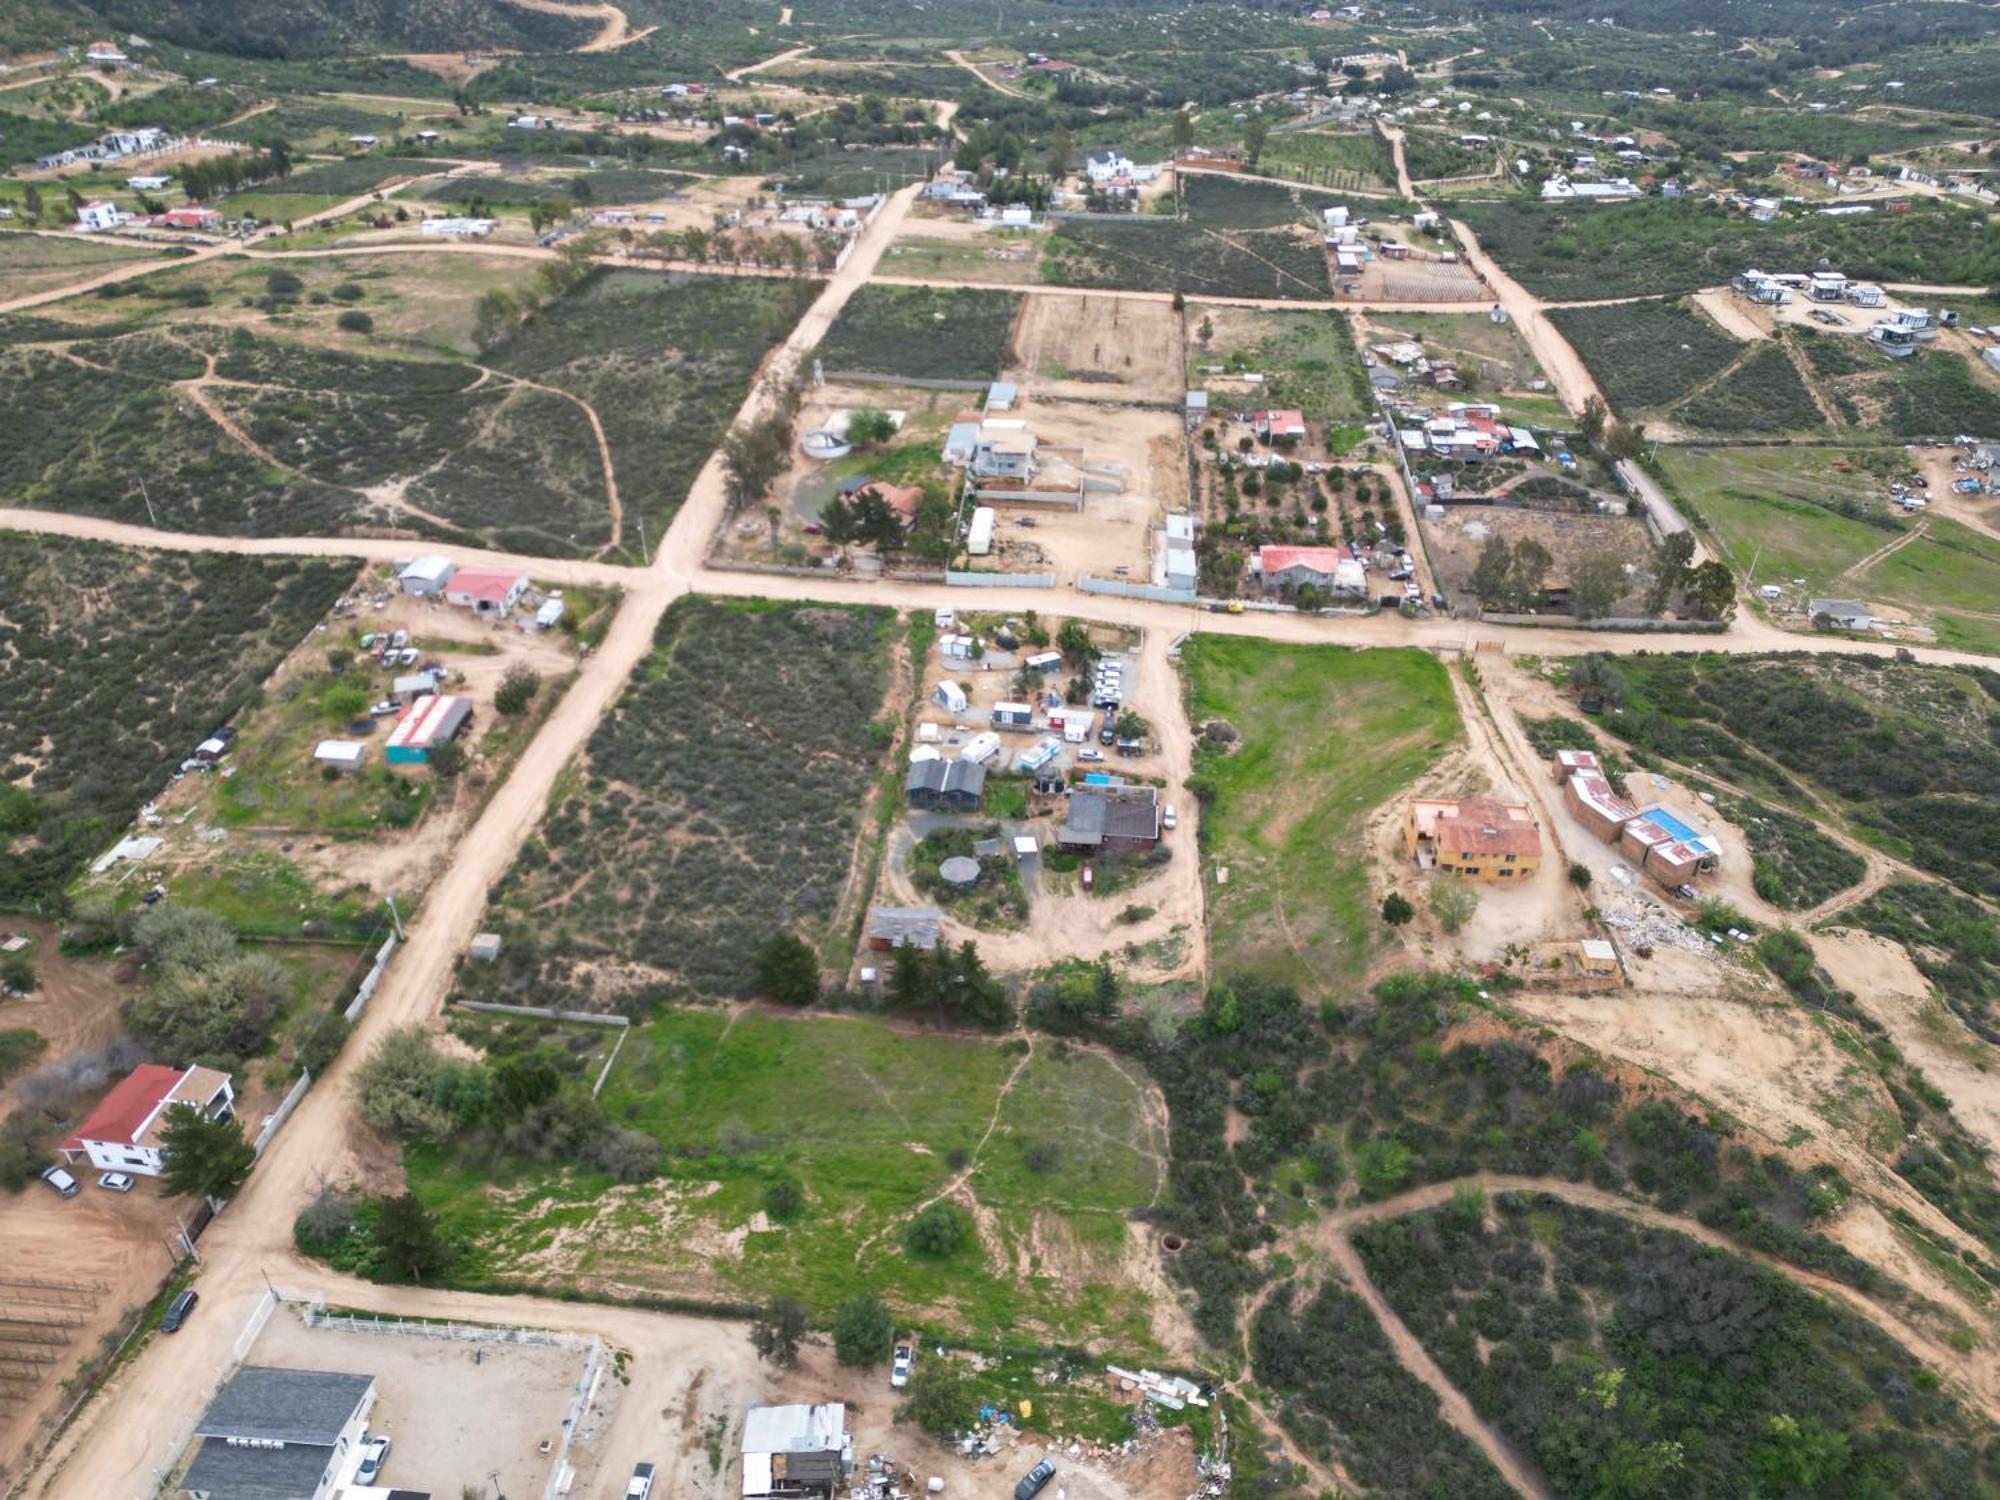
pixel 123 1133
pixel 1107 165
pixel 486 591
pixel 150 182
pixel 95 218
pixel 457 228
pixel 1004 451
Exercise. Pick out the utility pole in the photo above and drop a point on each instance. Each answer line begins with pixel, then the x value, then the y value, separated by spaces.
pixel 150 517
pixel 396 917
pixel 645 555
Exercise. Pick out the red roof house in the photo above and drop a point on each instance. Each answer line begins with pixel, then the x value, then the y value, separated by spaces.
pixel 486 591
pixel 1279 426
pixel 123 1132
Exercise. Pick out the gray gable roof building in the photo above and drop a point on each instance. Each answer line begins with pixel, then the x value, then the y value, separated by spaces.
pixel 1110 816
pixel 274 1434
pixel 950 782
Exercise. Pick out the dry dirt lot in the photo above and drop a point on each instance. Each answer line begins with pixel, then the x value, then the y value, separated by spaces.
pixel 100 1256
pixel 1456 540
pixel 460 1412
pixel 1142 449
pixel 1102 348
pixel 75 1003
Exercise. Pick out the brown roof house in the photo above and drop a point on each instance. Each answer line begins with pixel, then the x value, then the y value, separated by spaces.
pixel 1480 838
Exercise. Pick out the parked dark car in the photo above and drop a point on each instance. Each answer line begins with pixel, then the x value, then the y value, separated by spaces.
pixel 1031 1485
pixel 178 1310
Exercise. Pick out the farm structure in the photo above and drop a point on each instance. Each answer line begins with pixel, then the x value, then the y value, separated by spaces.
pixel 428 722
pixel 796 1451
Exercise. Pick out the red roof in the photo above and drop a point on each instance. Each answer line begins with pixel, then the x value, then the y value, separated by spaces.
pixel 123 1112
pixel 1282 421
pixel 1319 559
pixel 484 584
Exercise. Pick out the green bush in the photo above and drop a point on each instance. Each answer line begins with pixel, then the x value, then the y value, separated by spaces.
pixel 938 1231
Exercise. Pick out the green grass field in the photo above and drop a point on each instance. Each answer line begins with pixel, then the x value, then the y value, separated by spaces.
pixel 871 1121
pixel 1328 735
pixel 1781 508
pixel 1951 572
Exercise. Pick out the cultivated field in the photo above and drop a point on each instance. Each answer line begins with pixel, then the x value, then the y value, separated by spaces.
pixel 1150 254
pixel 921 334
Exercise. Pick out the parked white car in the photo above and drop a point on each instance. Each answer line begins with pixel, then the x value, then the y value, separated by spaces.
pixel 374 1453
pixel 899 1367
pixel 1169 818
pixel 115 1182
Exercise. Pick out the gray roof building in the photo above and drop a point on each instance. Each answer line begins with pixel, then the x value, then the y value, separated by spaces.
pixel 1101 816
pixel 905 927
pixel 951 783
pixel 1846 614
pixel 274 1434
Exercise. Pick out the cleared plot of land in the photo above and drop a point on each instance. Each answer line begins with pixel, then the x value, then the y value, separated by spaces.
pixel 1530 1315
pixel 1327 735
pixel 1307 360
pixel 1101 348
pixel 603 185
pixel 921 333
pixel 717 804
pixel 33 262
pixel 1149 254
pixel 933 248
pixel 872 1122
pixel 1953 573
pixel 116 664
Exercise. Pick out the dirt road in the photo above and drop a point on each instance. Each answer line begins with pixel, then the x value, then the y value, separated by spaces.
pixel 960 59
pixel 1566 371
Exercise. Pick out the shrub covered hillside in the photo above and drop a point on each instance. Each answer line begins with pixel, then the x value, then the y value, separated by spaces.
pixel 718 802
pixel 114 664
pixel 1633 1361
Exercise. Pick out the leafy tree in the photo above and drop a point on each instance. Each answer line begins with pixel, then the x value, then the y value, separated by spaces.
pixel 784 1199
pixel 282 283
pixel 204 1156
pixel 219 1009
pixel 447 760
pixel 779 1330
pixel 31 201
pixel 870 426
pixel 1493 572
pixel 1183 129
pixel 1596 584
pixel 1671 562
pixel 1078 649
pixel 940 1400
pixel 1711 591
pixel 1396 909
pixel 1801 1456
pixel 1530 571
pixel 493 317
pixel 320 1041
pixel 1255 132
pixel 1579 875
pixel 409 1089
pixel 1591 423
pixel 787 970
pixel 17 972
pixel 1381 1165
pixel 521 1084
pixel 517 689
pixel 343 701
pixel 406 1238
pixel 863 1331
pixel 1453 901
pixel 938 1231
pixel 757 453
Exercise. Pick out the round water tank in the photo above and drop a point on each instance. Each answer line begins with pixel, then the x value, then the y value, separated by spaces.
pixel 960 869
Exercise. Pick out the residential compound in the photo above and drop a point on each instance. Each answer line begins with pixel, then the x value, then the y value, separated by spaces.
pixel 1480 838
pixel 123 1134
pixel 1656 840
pixel 277 1434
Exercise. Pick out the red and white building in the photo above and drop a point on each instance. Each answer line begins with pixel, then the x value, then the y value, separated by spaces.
pixel 1334 569
pixel 486 591
pixel 123 1132
pixel 1279 426
pixel 195 217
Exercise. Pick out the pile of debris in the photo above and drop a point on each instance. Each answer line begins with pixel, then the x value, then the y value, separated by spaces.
pixel 985 1439
pixel 1174 1392
pixel 882 1478
pixel 1645 928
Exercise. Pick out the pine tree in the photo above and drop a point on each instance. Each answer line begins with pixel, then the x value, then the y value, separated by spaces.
pixel 204 1156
